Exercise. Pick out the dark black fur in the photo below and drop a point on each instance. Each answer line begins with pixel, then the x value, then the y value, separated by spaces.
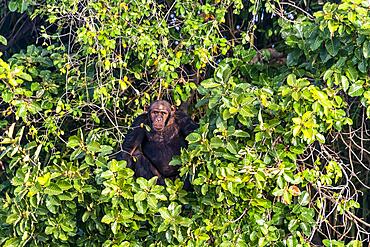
pixel 153 150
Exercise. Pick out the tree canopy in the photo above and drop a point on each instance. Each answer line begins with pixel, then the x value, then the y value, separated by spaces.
pixel 281 90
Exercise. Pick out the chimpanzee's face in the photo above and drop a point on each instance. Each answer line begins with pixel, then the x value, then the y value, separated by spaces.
pixel 159 114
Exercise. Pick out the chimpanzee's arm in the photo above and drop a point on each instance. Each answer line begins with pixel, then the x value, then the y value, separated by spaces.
pixel 186 124
pixel 135 136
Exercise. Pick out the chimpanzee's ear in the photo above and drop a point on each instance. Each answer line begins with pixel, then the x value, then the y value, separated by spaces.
pixel 173 109
pixel 146 108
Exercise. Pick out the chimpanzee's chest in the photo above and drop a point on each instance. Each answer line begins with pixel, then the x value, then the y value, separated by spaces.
pixel 160 147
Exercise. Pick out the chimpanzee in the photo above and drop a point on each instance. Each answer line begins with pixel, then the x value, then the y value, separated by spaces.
pixel 149 152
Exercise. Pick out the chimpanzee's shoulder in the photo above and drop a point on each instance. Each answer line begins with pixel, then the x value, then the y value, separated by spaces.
pixel 179 115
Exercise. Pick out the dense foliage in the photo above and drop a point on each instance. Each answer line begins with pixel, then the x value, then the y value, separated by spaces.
pixel 281 91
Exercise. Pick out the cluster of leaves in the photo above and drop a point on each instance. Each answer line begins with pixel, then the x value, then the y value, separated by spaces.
pixel 141 48
pixel 338 51
pixel 262 167
pixel 245 154
pixel 85 198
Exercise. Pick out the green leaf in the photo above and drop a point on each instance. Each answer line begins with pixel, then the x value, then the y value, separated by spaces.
pixel 116 166
pixel 231 148
pixel 185 222
pixel 293 225
pixel 223 73
pixel 296 96
pixel 13 6
pixel 292 242
pixel 193 138
pixel 12 242
pixel 24 6
pixel 355 89
pixel 25 76
pixel 304 198
pixel 163 227
pixel 140 196
pixel 53 189
pixel 7 96
pixel 115 227
pixel 293 58
pixel 366 49
pixel 316 44
pixel 296 130
pixel 278 192
pixel 362 66
pixel 152 201
pixel 22 110
pixel 241 134
pixel 107 174
pixel 35 86
pixel 44 179
pixel 126 214
pixel 175 162
pixel 105 150
pixel 93 147
pixel 291 80
pixel 333 26
pixel 143 183
pixel 352 16
pixel 66 226
pixel 345 83
pixel 107 219
pixel 306 228
pixel 49 230
pixel 12 218
pixel 204 189
pixel 64 185
pixel 226 74
pixel 216 142
pixel 77 154
pixel 307 215
pixel 351 73
pixel 332 46
pixel 66 196
pixel 287 197
pixel 73 141
pixel 34 108
pixel 165 214
pixel 355 243
pixel 367 95
pixel 328 74
pixel 142 207
pixel 209 83
pixel 3 40
pixel 320 138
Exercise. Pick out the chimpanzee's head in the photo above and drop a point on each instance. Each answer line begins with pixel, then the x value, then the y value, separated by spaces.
pixel 161 113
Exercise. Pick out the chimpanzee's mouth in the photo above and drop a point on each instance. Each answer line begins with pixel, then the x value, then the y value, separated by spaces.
pixel 158 126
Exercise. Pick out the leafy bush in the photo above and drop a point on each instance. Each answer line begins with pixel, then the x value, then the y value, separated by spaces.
pixel 281 154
